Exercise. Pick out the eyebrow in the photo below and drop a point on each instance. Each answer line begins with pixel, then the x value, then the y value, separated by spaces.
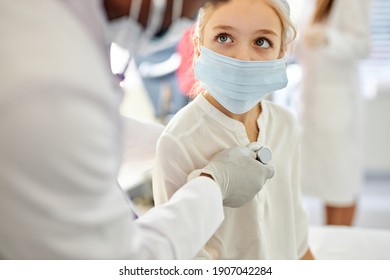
pixel 262 31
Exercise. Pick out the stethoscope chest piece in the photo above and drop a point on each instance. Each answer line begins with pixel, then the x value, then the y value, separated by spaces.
pixel 264 154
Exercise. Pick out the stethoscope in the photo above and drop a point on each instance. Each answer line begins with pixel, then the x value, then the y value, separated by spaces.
pixel 155 21
pixel 263 153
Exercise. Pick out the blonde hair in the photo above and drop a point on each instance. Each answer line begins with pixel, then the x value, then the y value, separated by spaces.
pixel 281 8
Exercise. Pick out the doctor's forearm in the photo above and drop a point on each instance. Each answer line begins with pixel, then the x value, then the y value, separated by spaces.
pixel 197 205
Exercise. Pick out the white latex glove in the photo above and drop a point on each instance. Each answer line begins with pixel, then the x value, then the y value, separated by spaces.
pixel 238 173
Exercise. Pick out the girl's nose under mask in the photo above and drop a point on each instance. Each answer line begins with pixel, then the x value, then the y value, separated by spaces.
pixel 239 85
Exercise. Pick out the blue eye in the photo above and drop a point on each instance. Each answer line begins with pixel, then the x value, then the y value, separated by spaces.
pixel 263 43
pixel 224 38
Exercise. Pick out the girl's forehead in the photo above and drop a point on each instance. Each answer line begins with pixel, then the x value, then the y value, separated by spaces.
pixel 244 14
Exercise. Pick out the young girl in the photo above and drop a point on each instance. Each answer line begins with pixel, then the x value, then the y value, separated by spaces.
pixel 240 46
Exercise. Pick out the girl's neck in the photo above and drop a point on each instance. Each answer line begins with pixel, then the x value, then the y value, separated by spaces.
pixel 249 119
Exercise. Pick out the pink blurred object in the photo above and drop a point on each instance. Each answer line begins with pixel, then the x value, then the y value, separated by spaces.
pixel 185 72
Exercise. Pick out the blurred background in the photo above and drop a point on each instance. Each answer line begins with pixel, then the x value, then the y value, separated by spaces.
pixel 154 94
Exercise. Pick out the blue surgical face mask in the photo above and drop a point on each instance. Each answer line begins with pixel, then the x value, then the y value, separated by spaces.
pixel 239 85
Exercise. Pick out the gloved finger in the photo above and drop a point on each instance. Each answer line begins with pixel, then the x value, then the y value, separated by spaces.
pixel 270 171
pixel 254 146
pixel 248 151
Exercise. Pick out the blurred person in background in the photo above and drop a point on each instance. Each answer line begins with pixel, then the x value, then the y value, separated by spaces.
pixel 334 39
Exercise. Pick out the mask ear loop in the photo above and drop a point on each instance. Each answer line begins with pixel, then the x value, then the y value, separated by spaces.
pixel 155 20
pixel 177 10
pixel 135 9
pixel 134 12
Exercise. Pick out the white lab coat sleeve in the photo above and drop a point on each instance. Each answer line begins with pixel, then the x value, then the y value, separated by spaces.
pixel 348 34
pixel 189 219
pixel 300 215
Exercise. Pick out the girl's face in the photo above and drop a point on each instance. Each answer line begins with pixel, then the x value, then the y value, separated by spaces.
pixel 244 29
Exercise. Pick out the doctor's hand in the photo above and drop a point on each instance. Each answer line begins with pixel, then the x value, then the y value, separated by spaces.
pixel 238 173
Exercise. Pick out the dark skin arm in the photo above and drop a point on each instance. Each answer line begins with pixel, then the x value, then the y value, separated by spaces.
pixel 308 255
pixel 120 8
